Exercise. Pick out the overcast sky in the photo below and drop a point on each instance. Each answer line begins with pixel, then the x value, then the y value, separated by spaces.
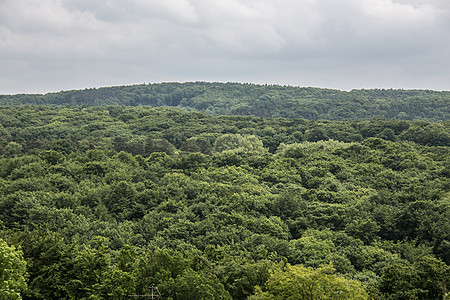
pixel 53 45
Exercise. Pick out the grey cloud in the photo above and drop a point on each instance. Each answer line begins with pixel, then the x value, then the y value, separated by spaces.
pixel 55 44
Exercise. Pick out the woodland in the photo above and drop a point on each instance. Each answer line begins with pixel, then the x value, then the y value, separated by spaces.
pixel 259 100
pixel 314 194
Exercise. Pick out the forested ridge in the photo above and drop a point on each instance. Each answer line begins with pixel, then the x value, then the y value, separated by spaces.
pixel 259 100
pixel 106 202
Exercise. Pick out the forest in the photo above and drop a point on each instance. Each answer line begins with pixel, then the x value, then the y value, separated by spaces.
pixel 110 200
pixel 259 100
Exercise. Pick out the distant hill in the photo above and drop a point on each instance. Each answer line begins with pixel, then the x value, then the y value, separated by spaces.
pixel 259 100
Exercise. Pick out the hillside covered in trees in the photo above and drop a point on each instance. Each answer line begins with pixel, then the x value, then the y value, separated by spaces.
pixel 106 202
pixel 259 100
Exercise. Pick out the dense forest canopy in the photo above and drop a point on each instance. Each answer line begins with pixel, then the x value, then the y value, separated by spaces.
pixel 259 100
pixel 106 202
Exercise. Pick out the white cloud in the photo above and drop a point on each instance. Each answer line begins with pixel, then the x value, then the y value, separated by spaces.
pixel 178 11
pixel 387 18
pixel 48 16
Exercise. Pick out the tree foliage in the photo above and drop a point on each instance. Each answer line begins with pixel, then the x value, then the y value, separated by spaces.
pixel 12 271
pixel 299 282
pixel 107 202
pixel 257 100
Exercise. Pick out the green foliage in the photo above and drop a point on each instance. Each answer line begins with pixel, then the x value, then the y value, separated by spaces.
pixel 298 282
pixel 179 275
pixel 250 99
pixel 12 271
pixel 237 143
pixel 418 277
pixel 106 202
pixel 13 148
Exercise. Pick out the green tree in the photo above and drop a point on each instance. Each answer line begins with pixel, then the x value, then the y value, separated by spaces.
pixel 12 271
pixel 178 275
pixel 239 144
pixel 299 282
pixel 52 157
pixel 158 145
pixel 316 134
pixel 434 277
pixel 13 148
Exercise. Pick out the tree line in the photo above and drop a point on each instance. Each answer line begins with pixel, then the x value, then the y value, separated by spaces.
pixel 259 100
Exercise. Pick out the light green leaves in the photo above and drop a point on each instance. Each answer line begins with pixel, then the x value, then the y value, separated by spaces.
pixel 12 271
pixel 298 282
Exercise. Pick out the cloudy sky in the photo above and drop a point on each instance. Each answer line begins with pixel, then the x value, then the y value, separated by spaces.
pixel 52 45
